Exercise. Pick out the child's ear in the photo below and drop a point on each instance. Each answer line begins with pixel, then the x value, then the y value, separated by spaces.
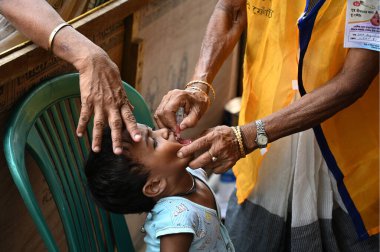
pixel 154 186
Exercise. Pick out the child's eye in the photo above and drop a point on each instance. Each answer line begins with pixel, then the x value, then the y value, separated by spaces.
pixel 155 143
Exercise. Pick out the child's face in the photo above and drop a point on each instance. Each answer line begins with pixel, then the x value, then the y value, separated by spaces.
pixel 157 150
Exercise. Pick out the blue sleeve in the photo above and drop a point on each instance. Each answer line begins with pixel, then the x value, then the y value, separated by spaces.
pixel 175 216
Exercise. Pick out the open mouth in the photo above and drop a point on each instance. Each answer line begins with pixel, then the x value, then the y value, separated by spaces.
pixel 177 138
pixel 183 141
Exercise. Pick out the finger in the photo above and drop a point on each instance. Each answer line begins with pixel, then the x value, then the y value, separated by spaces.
pixel 97 131
pixel 191 119
pixel 130 122
pixel 201 161
pixel 170 119
pixel 166 117
pixel 221 169
pixel 159 124
pixel 219 166
pixel 116 124
pixel 215 159
pixel 196 145
pixel 84 118
pixel 158 112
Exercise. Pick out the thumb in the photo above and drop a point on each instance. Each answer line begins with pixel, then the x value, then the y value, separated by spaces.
pixel 190 120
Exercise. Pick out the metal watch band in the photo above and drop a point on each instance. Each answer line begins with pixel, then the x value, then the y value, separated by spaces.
pixel 260 127
pixel 261 136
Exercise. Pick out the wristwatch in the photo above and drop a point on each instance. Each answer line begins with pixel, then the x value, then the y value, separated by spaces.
pixel 261 136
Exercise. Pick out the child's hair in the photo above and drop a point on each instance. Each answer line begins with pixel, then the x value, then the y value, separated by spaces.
pixel 116 181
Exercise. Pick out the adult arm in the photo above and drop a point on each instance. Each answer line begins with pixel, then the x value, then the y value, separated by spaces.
pixel 224 29
pixel 100 83
pixel 176 242
pixel 360 68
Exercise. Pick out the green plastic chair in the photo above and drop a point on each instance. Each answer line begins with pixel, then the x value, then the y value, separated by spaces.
pixel 45 124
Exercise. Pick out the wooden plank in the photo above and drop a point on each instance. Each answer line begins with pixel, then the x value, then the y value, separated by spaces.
pixel 131 53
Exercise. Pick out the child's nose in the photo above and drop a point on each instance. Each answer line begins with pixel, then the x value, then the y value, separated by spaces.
pixel 164 133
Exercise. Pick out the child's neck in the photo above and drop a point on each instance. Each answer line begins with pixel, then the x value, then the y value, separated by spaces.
pixel 182 184
pixel 183 187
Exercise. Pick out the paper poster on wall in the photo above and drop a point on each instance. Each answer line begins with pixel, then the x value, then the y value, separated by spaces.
pixel 362 25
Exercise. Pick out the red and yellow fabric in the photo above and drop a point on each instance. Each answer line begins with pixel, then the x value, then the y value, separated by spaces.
pixel 270 71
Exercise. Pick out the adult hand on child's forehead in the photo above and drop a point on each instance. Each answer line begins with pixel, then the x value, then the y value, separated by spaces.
pixel 102 93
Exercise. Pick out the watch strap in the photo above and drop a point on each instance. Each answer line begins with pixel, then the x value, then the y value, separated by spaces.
pixel 260 127
pixel 260 133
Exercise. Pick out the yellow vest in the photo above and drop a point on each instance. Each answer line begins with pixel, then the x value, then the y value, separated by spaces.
pixel 270 70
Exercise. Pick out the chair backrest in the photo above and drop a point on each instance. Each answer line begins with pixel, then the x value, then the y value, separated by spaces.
pixel 45 124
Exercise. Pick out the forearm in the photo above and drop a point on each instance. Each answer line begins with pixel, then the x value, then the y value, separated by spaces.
pixel 37 21
pixel 223 32
pixel 344 89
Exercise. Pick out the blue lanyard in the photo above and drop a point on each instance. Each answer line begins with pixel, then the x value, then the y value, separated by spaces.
pixel 305 26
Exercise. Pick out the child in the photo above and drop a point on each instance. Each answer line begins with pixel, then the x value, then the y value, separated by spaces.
pixel 148 177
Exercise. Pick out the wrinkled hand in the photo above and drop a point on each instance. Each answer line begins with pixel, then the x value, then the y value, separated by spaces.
pixel 195 104
pixel 102 93
pixel 219 142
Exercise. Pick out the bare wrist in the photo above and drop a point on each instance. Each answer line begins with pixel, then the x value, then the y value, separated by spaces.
pixel 248 133
pixel 75 48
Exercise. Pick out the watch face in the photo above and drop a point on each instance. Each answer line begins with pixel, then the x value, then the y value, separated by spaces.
pixel 262 140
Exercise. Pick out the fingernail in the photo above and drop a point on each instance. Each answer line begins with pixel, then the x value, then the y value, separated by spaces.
pixel 79 134
pixel 180 154
pixel 137 137
pixel 96 149
pixel 118 150
pixel 183 126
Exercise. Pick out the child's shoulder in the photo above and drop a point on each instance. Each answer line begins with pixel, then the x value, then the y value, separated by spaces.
pixel 173 204
pixel 200 173
pixel 176 206
pixel 174 211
